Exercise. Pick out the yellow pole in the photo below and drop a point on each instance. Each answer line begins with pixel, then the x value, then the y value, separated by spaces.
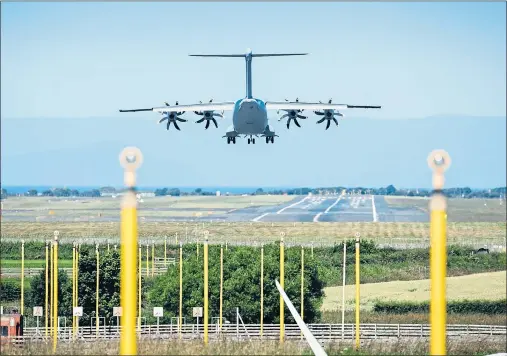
pixel 312 249
pixel 282 278
pixel 439 162
pixel 357 294
pixel 73 287
pixel 139 290
pixel 55 292
pixel 51 290
pixel 205 289
pixel 77 285
pixel 181 290
pixel 46 293
pixel 302 284
pixel 22 277
pixel 130 158
pixel 221 283
pixel 262 290
pixel 152 259
pixel 147 260
pixel 97 293
pixel 165 251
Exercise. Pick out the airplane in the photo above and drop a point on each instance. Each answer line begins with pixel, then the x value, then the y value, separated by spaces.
pixel 250 115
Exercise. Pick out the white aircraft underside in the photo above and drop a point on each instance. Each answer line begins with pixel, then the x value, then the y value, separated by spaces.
pixel 250 115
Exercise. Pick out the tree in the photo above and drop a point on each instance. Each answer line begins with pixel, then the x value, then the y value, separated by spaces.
pixel 259 191
pixel 390 190
pixel 198 191
pixel 4 193
pixel 241 284
pixel 160 192
pixel 175 192
pixel 109 286
pixel 32 193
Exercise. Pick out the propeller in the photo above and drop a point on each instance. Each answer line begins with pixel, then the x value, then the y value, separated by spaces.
pixel 209 116
pixel 328 115
pixel 292 114
pixel 172 116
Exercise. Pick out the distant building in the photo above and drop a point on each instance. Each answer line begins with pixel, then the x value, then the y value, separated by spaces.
pixel 218 193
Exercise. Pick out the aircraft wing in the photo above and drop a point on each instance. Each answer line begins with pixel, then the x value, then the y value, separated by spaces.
pixel 272 105
pixel 225 106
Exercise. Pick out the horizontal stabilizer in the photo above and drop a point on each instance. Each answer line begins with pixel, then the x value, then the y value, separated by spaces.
pixel 245 55
pixel 217 55
pixel 277 54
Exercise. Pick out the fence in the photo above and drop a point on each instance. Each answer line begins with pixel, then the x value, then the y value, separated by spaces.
pixel 322 332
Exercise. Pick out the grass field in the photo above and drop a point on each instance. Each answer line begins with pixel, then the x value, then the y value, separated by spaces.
pixel 166 202
pixel 319 233
pixel 489 286
pixel 458 210
pixel 487 345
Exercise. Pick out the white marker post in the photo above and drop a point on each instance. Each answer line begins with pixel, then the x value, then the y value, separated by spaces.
pixel 117 312
pixel 158 312
pixel 37 312
pixel 77 312
pixel 197 313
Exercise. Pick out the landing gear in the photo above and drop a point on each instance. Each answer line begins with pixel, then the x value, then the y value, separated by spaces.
pixel 270 139
pixel 231 139
pixel 251 140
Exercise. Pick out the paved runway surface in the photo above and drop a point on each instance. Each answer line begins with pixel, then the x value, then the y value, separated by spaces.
pixel 346 208
pixel 356 208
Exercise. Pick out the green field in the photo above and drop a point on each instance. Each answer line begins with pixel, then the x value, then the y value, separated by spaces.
pixel 482 286
pixel 458 210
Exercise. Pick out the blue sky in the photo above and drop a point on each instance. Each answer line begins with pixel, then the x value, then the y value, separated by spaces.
pixel 63 63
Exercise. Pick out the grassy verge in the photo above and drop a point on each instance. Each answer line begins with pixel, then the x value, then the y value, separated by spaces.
pixel 318 233
pixel 33 263
pixel 172 347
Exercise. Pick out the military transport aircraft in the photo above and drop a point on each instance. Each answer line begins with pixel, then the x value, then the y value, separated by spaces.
pixel 250 117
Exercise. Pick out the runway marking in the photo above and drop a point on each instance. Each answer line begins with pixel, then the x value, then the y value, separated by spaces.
pixel 230 211
pixel 316 218
pixel 336 202
pixel 260 217
pixel 374 210
pixel 290 206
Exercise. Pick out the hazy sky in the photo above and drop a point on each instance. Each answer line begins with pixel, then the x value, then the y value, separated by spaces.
pixel 79 60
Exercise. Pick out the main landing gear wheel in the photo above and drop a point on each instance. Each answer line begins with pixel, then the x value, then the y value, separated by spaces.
pixel 270 139
pixel 231 139
pixel 251 140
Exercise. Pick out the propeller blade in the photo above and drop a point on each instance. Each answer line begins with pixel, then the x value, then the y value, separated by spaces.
pixel 283 116
pixel 328 123
pixel 177 103
pixel 319 113
pixel 297 123
pixel 288 123
pixel 219 115
pixel 162 119
pixel 176 125
pixel 302 117
pixel 320 101
pixel 297 100
pixel 168 124
pixel 199 121
pixel 330 100
pixel 215 122
pixel 166 104
pixel 210 100
pixel 335 121
pixel 181 120
pixel 321 120
pixel 207 124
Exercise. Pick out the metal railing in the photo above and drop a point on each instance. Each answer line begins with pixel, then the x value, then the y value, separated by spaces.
pixel 322 332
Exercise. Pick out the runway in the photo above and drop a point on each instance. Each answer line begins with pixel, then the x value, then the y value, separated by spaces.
pixel 347 208
pixel 331 208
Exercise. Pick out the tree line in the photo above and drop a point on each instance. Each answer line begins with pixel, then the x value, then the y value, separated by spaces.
pixel 459 192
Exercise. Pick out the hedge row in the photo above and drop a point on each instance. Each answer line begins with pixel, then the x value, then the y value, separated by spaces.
pixel 10 290
pixel 489 307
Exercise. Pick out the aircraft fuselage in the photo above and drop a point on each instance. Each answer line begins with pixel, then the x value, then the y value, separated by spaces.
pixel 250 116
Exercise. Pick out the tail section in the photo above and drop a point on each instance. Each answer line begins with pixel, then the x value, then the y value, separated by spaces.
pixel 248 59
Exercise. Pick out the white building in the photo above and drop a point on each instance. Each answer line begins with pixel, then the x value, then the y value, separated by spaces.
pixel 218 193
